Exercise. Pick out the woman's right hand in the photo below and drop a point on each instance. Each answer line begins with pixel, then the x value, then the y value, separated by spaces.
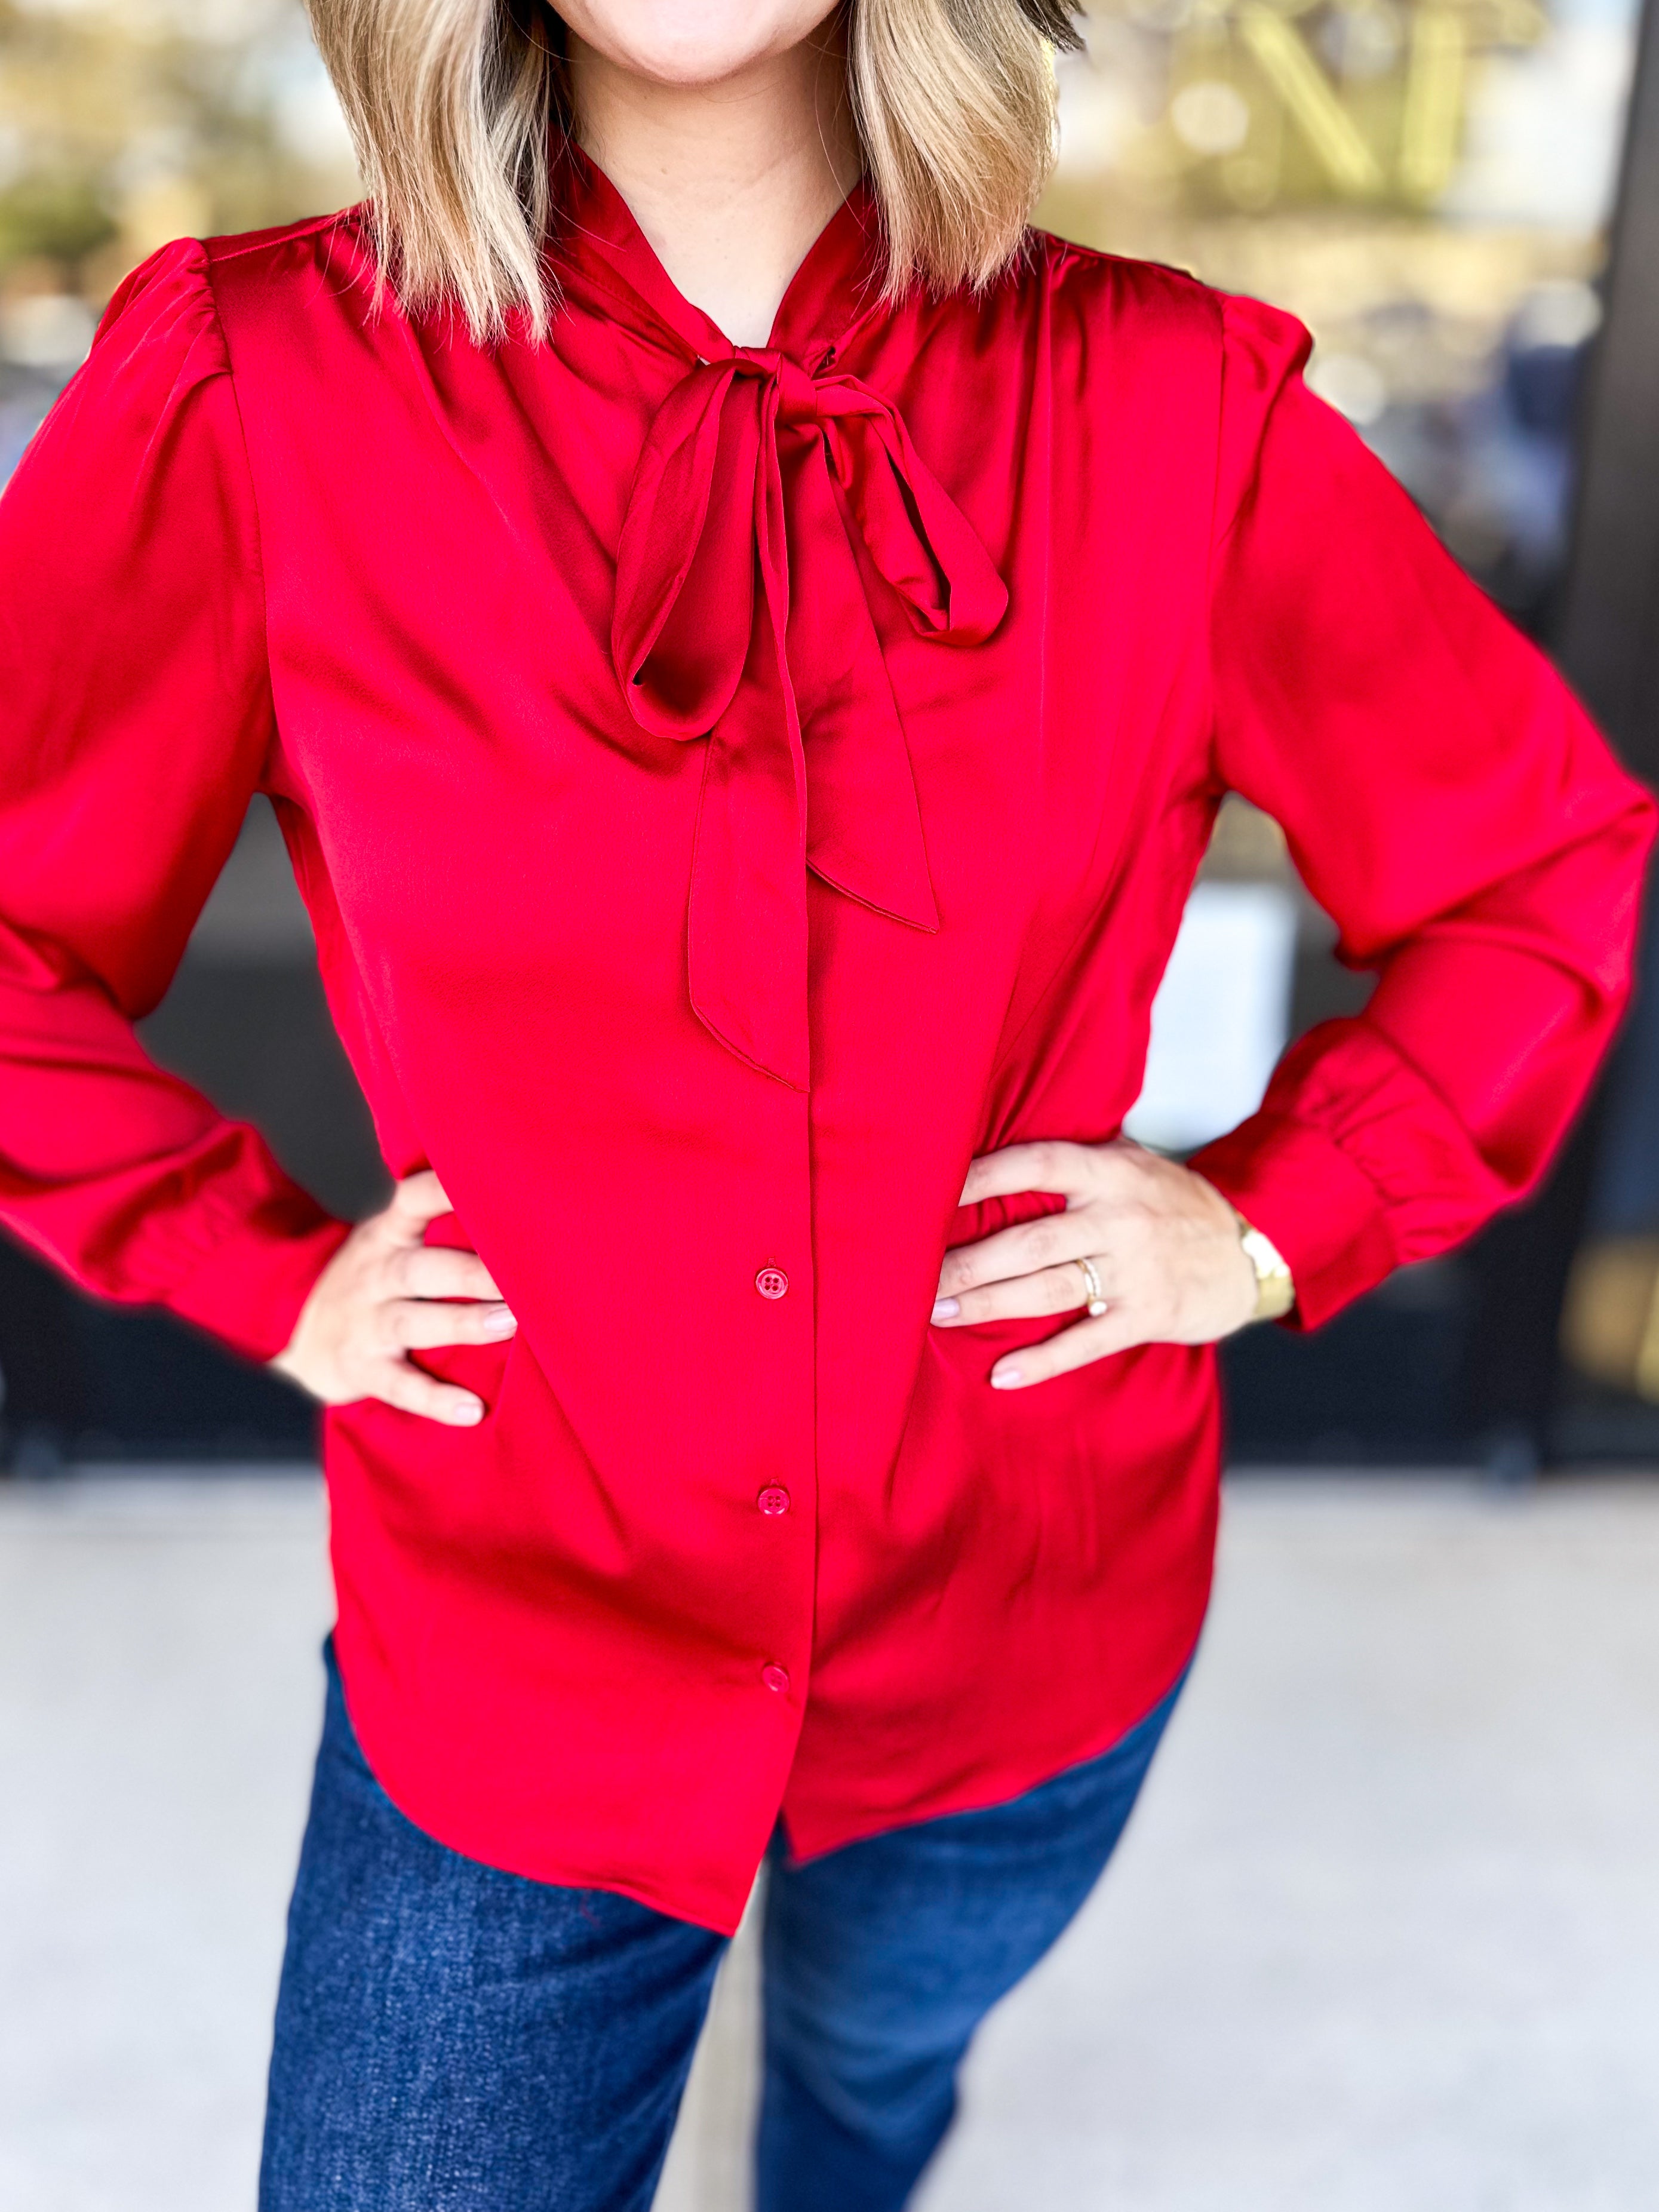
pixel 387 1293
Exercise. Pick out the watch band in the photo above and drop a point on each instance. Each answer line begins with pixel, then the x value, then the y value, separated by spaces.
pixel 1275 1290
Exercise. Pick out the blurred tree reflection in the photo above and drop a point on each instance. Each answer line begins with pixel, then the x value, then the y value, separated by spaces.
pixel 1426 182
pixel 127 124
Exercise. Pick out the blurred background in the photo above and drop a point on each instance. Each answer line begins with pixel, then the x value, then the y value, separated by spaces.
pixel 1435 187
pixel 1386 1932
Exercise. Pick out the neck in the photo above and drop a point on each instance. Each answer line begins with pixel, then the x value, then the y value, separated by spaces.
pixel 729 182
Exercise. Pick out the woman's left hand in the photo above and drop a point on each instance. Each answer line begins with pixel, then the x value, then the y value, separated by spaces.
pixel 1164 1244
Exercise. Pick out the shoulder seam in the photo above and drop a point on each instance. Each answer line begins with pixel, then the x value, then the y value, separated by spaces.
pixel 1101 258
pixel 234 248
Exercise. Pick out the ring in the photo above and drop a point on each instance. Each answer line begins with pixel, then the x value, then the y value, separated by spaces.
pixel 1091 1284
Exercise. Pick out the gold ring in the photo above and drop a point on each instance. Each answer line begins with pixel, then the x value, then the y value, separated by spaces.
pixel 1096 1299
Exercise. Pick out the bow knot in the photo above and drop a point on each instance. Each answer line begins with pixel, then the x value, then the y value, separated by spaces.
pixel 756 469
pixel 797 392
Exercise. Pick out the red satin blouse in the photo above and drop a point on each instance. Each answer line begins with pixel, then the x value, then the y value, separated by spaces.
pixel 733 786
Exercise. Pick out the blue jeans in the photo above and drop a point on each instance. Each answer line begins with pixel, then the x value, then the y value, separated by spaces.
pixel 450 2039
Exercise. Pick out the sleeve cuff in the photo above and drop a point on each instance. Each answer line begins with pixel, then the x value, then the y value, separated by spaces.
pixel 1325 1215
pixel 248 1288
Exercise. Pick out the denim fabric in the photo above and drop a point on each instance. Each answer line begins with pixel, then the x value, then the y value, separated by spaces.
pixel 881 1960
pixel 450 2039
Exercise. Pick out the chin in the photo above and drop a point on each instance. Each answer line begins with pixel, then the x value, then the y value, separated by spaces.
pixel 690 42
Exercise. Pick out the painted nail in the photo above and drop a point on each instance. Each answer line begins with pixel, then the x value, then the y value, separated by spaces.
pixel 501 1320
pixel 468 1414
pixel 946 1308
pixel 1004 1378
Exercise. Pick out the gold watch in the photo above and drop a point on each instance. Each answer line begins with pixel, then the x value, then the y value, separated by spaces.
pixel 1275 1292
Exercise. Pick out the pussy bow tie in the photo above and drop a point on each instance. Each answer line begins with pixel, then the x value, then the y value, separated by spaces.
pixel 753 467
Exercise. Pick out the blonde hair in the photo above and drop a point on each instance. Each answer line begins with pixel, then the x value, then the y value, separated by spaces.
pixel 454 106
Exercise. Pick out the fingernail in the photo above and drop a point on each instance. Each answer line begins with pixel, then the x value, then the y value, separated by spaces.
pixel 468 1415
pixel 501 1320
pixel 1004 1378
pixel 946 1308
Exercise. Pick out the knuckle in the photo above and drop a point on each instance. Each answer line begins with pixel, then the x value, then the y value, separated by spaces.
pixel 408 1389
pixel 1048 1163
pixel 1127 1226
pixel 1045 1241
pixel 1114 1169
pixel 1077 1348
pixel 376 1339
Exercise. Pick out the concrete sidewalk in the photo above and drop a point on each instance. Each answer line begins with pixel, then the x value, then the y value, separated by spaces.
pixel 1384 1937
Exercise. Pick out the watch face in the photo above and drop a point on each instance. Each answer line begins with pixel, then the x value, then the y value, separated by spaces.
pixel 1265 1256
pixel 1275 1291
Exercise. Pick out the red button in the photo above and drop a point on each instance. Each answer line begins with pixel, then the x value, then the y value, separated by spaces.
pixel 771 1282
pixel 773 1499
pixel 776 1677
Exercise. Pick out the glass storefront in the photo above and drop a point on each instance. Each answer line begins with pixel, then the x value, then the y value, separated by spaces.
pixel 1429 187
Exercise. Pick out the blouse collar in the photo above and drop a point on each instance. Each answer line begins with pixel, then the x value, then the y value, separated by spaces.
pixel 598 239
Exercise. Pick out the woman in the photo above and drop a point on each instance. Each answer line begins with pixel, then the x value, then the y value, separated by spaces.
pixel 745 644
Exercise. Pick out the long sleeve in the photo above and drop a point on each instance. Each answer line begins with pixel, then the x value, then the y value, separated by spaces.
pixel 135 719
pixel 1447 802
